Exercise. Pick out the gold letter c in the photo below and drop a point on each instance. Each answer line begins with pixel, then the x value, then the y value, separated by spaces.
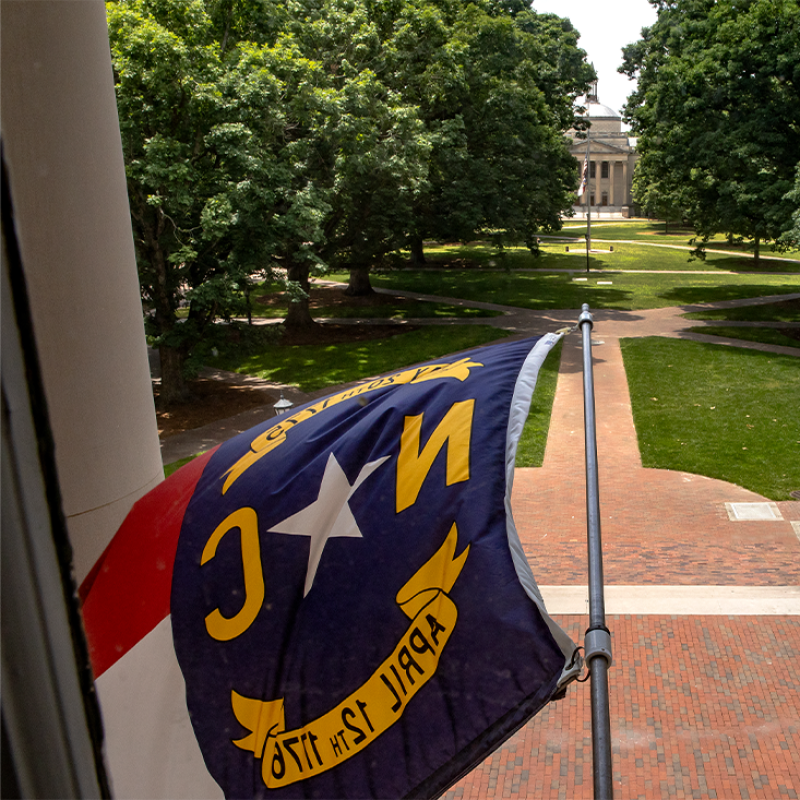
pixel 222 628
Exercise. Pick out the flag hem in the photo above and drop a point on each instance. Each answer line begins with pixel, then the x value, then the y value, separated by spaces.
pixel 518 413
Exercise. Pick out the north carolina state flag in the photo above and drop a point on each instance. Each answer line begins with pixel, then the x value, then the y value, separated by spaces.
pixel 334 603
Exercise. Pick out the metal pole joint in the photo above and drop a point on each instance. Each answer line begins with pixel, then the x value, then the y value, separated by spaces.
pixel 597 644
pixel 586 316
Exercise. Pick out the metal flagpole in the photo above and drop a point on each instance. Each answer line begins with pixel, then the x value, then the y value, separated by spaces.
pixel 597 641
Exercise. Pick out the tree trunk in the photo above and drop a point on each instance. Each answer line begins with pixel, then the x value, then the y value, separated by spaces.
pixel 359 284
pixel 299 314
pixel 417 252
pixel 756 251
pixel 173 385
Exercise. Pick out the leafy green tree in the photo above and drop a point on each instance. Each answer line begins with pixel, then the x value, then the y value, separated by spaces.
pixel 495 84
pixel 372 148
pixel 214 142
pixel 791 237
pixel 717 112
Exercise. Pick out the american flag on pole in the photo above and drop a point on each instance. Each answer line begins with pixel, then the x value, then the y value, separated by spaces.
pixel 584 175
pixel 333 604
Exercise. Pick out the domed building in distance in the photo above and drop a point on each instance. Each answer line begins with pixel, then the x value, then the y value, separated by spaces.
pixel 612 157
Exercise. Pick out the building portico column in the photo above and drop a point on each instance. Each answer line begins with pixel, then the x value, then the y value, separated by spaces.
pixel 612 174
pixel 63 148
pixel 625 198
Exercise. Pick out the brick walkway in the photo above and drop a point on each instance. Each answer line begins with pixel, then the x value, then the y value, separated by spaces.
pixel 701 706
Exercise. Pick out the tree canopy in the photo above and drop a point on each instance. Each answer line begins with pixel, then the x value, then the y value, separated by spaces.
pixel 267 139
pixel 717 113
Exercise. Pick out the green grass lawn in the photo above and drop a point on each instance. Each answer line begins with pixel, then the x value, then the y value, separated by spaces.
pixel 176 465
pixel 719 411
pixel 644 230
pixel 763 335
pixel 626 256
pixel 312 367
pixel 530 450
pixel 626 292
pixel 532 442
pixel 656 232
pixel 400 309
pixel 782 311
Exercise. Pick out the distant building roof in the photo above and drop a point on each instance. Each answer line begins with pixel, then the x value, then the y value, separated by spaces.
pixel 599 111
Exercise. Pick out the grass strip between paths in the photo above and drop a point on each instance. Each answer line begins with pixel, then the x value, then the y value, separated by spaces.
pixel 532 442
pixel 762 335
pixel 715 410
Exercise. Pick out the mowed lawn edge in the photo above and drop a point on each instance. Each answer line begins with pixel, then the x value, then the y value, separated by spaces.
pixel 715 410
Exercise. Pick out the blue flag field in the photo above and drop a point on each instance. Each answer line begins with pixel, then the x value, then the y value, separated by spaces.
pixel 334 603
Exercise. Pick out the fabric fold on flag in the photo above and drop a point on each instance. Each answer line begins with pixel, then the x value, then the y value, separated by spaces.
pixel 584 176
pixel 335 603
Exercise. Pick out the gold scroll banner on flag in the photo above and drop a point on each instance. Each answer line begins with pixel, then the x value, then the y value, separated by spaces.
pixel 276 435
pixel 356 722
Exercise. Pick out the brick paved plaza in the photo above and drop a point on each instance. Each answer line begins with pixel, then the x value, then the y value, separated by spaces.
pixel 702 705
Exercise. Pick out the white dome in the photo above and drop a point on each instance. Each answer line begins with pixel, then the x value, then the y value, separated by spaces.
pixel 599 111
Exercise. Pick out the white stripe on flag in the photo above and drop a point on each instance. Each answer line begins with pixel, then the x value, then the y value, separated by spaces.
pixel 151 750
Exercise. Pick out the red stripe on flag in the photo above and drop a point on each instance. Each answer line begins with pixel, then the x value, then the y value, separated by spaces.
pixel 127 593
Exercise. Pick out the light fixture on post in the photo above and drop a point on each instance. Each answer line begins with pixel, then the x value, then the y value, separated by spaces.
pixel 282 406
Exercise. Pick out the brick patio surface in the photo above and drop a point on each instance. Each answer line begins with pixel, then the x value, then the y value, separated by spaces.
pixel 701 706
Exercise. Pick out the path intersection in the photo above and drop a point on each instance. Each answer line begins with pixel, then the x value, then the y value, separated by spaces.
pixel 702 597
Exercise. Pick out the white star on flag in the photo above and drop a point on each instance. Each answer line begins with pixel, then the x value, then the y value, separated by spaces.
pixel 329 516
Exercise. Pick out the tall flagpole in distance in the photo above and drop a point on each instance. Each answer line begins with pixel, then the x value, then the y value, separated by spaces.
pixel 597 641
pixel 588 195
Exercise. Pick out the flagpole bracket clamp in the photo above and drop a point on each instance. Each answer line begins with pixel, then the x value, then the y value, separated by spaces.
pixel 597 643
pixel 586 316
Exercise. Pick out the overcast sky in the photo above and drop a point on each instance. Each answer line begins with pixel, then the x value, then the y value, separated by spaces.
pixel 606 26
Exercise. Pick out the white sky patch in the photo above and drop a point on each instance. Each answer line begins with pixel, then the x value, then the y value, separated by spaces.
pixel 606 26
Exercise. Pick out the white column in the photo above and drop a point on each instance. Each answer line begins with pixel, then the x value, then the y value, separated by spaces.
pixel 62 144
pixel 625 197
pixel 612 174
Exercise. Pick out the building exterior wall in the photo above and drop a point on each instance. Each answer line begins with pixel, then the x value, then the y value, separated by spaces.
pixel 610 190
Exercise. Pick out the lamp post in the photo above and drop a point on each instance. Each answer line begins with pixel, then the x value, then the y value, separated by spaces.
pixel 282 406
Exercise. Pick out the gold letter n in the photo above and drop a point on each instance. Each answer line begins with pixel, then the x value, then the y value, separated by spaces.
pixel 414 464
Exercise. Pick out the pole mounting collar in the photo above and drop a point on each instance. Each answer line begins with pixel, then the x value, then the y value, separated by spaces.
pixel 597 643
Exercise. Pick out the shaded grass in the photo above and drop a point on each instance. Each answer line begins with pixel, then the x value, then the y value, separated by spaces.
pixel 532 442
pixel 763 335
pixel 548 291
pixel 718 411
pixel 312 367
pixel 783 311
pixel 401 309
pixel 553 256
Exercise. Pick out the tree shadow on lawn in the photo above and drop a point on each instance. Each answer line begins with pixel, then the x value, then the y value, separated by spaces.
pixel 747 266
pixel 701 295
